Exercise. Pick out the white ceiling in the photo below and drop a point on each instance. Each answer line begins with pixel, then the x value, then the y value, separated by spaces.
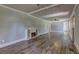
pixel 52 10
pixel 27 7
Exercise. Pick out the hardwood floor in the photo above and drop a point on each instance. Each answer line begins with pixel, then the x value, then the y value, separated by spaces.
pixel 58 43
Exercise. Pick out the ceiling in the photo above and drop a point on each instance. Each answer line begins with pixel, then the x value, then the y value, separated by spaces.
pixel 46 11
pixel 27 7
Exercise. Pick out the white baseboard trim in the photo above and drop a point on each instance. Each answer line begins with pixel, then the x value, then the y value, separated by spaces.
pixel 57 31
pixel 10 43
pixel 42 33
pixel 16 41
pixel 77 46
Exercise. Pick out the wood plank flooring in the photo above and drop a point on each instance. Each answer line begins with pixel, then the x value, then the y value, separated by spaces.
pixel 57 44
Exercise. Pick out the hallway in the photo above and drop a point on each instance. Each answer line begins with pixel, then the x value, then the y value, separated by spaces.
pixel 59 43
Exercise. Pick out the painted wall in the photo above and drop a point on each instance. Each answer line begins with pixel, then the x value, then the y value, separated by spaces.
pixel 14 24
pixel 57 27
pixel 77 28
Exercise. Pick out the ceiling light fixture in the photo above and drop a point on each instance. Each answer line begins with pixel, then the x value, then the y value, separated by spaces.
pixel 56 14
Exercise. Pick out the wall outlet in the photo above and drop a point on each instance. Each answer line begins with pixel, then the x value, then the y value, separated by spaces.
pixel 3 41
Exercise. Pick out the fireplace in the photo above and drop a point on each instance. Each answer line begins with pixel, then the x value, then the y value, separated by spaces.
pixel 32 32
